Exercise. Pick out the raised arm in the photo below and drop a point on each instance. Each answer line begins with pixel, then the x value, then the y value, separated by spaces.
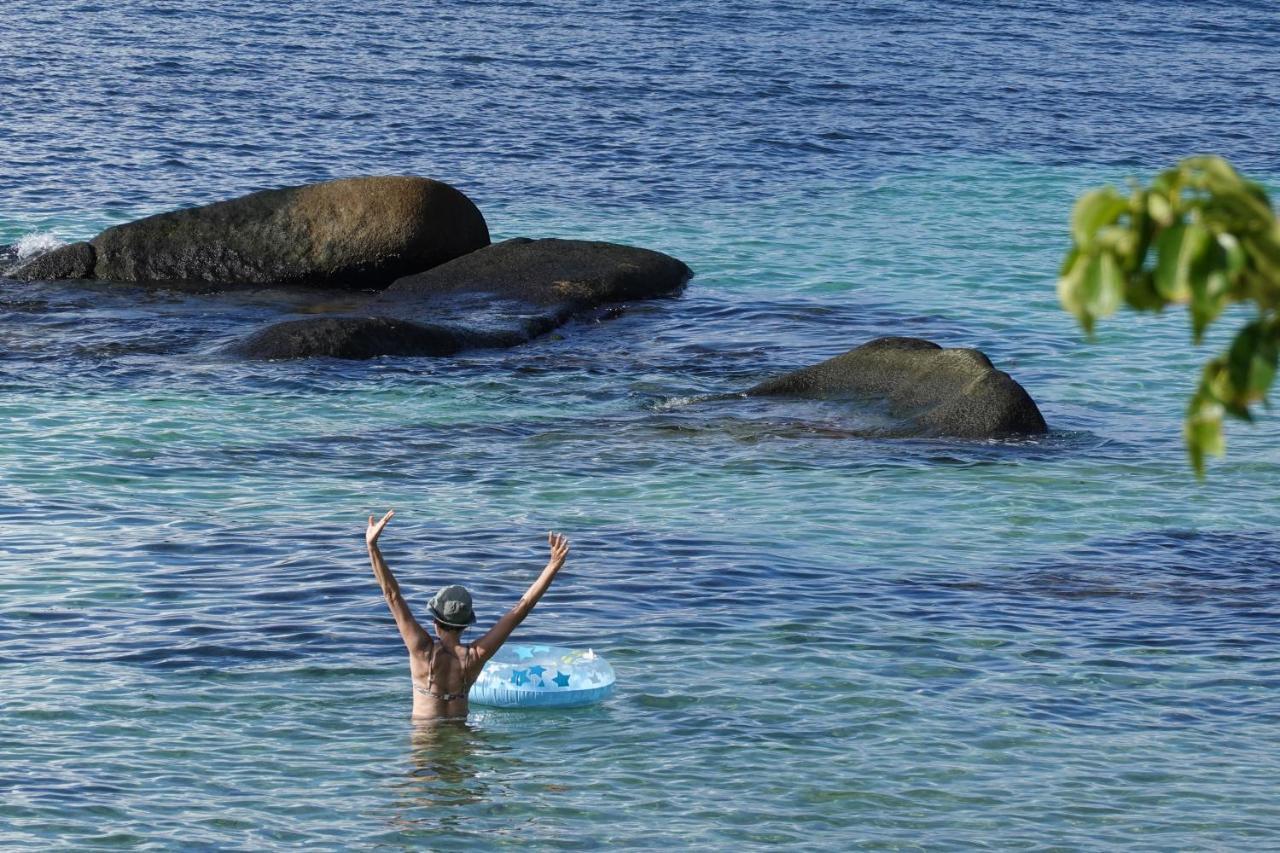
pixel 413 634
pixel 488 645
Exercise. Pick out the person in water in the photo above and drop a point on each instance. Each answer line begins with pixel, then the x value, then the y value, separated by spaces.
pixel 443 669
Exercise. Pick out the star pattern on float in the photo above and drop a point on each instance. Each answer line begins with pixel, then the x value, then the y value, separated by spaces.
pixel 531 675
pixel 536 676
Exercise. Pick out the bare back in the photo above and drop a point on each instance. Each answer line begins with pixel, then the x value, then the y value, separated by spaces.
pixel 441 675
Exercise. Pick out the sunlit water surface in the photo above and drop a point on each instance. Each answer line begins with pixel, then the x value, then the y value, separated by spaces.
pixel 820 640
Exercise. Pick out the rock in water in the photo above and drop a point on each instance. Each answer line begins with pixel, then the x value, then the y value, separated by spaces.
pixel 354 233
pixel 568 273
pixel 72 261
pixel 936 391
pixel 354 337
pixel 548 281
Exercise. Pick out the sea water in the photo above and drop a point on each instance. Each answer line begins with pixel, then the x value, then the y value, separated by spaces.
pixel 820 640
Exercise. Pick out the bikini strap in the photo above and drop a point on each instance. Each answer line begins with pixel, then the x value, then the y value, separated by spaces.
pixel 431 678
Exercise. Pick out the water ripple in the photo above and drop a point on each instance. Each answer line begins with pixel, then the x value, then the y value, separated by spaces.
pixel 822 640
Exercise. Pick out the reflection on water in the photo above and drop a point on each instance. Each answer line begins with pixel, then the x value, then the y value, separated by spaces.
pixel 447 758
pixel 451 768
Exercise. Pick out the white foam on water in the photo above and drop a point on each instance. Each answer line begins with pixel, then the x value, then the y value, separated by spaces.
pixel 37 244
pixel 680 402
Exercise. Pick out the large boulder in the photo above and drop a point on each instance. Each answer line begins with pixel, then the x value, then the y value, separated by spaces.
pixel 355 233
pixel 934 391
pixel 499 296
pixel 550 272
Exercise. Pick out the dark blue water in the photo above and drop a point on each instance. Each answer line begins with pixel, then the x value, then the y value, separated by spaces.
pixel 821 641
pixel 113 108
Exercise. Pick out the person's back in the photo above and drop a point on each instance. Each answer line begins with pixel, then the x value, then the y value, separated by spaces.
pixel 442 677
pixel 443 669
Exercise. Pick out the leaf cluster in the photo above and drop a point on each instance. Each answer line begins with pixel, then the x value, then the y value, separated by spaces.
pixel 1199 235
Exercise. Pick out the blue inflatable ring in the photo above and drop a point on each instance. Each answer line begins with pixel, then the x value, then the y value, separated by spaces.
pixel 525 676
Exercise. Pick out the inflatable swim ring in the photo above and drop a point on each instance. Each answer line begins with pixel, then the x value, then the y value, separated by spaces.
pixel 526 676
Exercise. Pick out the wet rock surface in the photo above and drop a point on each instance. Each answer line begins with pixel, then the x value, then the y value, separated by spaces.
pixel 550 272
pixel 75 260
pixel 354 233
pixel 362 337
pixel 930 390
pixel 500 296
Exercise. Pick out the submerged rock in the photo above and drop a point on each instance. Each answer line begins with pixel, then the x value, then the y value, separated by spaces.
pixel 545 283
pixel 362 337
pixel 353 233
pixel 73 261
pixel 935 391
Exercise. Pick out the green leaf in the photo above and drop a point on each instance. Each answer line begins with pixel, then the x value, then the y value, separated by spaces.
pixel 1093 210
pixel 1070 291
pixel 1068 262
pixel 1203 430
pixel 1218 384
pixel 1263 251
pixel 1160 209
pixel 1239 208
pixel 1168 182
pixel 1236 259
pixel 1202 234
pixel 1178 251
pixel 1214 169
pixel 1251 362
pixel 1140 292
pixel 1103 285
pixel 1208 298
pixel 1257 191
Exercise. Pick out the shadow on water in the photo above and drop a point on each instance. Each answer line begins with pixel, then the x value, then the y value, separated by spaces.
pixel 1164 588
pixel 704 336
pixel 1230 569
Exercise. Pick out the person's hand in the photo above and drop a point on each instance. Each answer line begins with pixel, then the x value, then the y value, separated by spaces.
pixel 559 548
pixel 374 530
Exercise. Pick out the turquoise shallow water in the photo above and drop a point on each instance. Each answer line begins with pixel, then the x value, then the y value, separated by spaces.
pixel 820 641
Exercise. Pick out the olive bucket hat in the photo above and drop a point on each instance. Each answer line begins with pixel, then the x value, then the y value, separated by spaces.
pixel 452 606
